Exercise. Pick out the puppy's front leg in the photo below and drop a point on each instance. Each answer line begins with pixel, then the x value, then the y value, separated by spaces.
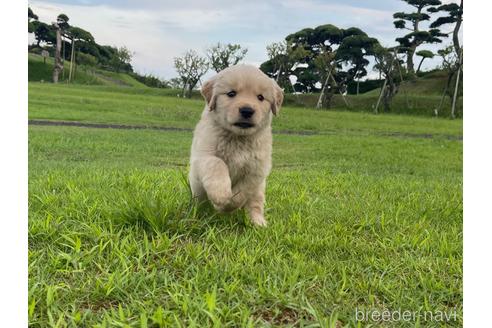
pixel 216 181
pixel 255 205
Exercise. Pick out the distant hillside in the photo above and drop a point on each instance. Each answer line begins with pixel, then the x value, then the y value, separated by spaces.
pixel 40 71
pixel 429 84
pixel 419 97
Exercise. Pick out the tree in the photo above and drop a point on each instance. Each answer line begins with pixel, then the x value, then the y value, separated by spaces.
pixel 417 36
pixel 314 42
pixel 44 33
pixel 452 64
pixel 176 83
pixel 121 58
pixel 277 53
pixel 455 15
pixel 86 59
pixel 353 50
pixel 151 80
pixel 424 54
pixel 31 16
pixel 387 63
pixel 282 59
pixel 79 34
pixel 62 21
pixel 76 34
pixel 222 56
pixel 316 59
pixel 327 69
pixel 191 67
pixel 328 48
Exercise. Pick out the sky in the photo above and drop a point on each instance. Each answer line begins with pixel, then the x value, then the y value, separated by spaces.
pixel 158 31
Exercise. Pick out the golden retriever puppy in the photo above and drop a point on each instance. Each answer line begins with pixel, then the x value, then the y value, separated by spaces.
pixel 232 142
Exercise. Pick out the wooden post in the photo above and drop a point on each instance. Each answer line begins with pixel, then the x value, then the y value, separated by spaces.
pixel 320 99
pixel 184 87
pixel 58 64
pixel 63 59
pixel 384 85
pixel 401 80
pixel 71 61
pixel 438 109
pixel 453 106
pixel 45 54
pixel 340 92
pixel 380 96
pixel 278 75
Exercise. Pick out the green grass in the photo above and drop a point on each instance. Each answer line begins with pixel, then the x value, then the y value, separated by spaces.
pixel 404 103
pixel 418 98
pixel 160 107
pixel 357 219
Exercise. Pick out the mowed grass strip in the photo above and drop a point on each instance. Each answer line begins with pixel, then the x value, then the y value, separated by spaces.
pixel 155 107
pixel 355 221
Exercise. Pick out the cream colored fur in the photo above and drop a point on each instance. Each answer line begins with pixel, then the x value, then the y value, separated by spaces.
pixel 230 164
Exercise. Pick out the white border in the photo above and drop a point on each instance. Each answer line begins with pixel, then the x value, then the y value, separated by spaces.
pixel 13 174
pixel 477 165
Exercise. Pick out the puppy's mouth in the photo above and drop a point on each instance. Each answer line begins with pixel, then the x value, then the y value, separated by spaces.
pixel 244 125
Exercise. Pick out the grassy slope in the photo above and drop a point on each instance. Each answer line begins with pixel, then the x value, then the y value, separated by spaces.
pixel 418 97
pixel 40 71
pixel 356 220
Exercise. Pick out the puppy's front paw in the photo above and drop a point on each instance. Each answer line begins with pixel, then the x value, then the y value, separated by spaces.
pixel 222 202
pixel 259 221
pixel 222 207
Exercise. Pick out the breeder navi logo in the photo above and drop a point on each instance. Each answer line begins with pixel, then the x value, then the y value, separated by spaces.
pixel 405 315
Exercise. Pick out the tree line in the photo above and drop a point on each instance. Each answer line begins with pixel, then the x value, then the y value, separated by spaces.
pixel 326 59
pixel 77 43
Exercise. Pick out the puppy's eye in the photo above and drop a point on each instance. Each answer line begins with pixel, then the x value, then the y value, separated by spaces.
pixel 261 98
pixel 231 94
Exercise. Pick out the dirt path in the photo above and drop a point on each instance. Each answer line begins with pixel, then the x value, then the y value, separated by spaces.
pixel 287 132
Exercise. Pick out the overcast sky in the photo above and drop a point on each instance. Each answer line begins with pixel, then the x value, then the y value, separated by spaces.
pixel 158 31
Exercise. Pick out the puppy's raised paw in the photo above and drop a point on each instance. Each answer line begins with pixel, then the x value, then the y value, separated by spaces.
pixel 259 221
pixel 223 204
pixel 223 207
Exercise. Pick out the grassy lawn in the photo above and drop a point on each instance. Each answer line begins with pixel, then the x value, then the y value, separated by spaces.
pixel 161 107
pixel 357 218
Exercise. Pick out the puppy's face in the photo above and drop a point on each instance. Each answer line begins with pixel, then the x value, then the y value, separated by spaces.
pixel 242 99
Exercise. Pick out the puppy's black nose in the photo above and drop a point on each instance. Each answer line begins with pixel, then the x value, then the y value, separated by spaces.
pixel 246 112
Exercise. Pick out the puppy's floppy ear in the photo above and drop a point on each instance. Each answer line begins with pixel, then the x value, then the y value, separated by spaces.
pixel 278 98
pixel 208 93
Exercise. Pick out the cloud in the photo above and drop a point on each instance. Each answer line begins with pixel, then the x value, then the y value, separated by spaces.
pixel 158 31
